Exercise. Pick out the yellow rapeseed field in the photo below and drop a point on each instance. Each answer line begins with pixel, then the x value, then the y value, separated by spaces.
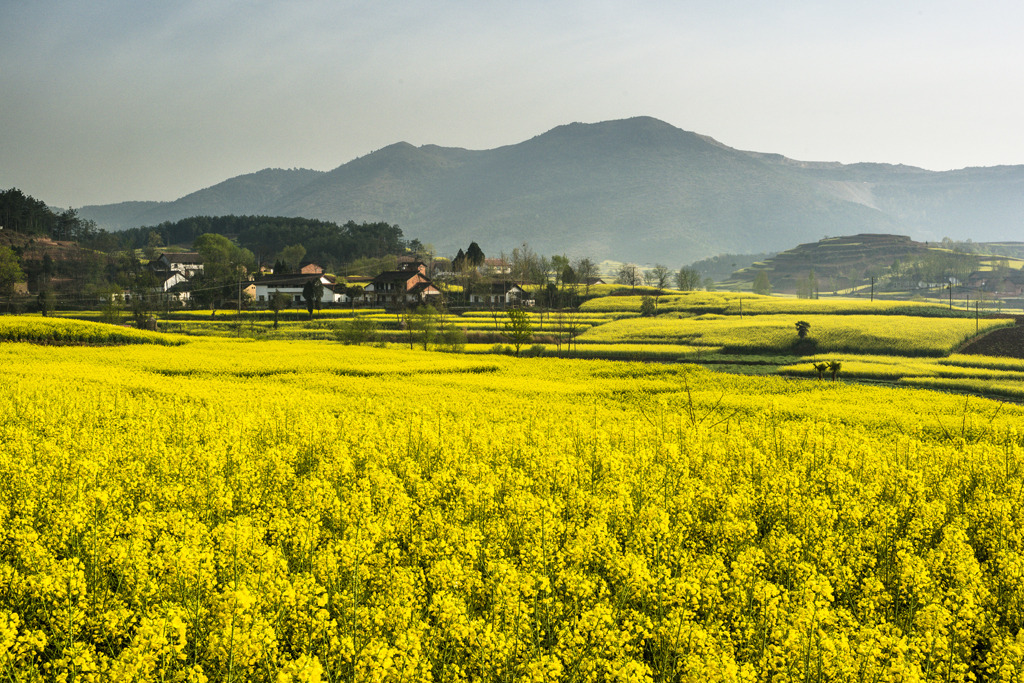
pixel 894 334
pixel 230 510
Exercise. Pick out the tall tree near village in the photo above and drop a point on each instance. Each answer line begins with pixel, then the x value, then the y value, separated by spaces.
pixel 628 274
pixel 459 262
pixel 224 266
pixel 474 255
pixel 687 279
pixel 586 270
pixel 313 292
pixel 292 257
pixel 660 275
pixel 10 274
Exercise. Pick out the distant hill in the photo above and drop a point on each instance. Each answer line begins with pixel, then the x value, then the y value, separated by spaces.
pixel 253 193
pixel 636 189
pixel 841 263
pixel 837 262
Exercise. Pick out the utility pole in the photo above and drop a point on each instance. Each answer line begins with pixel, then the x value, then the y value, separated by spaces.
pixel 872 287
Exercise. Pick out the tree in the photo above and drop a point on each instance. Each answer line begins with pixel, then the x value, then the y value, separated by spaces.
pixel 153 242
pixel 518 328
pixel 452 339
pixel 113 304
pixel 688 279
pixel 474 255
pixel 761 283
pixel 559 264
pixel 142 296
pixel 224 266
pixel 834 367
pixel 313 293
pixel 807 288
pixel 648 307
pixel 628 274
pixel 353 292
pixel 47 301
pixel 528 266
pixel 821 368
pixel 459 262
pixel 586 270
pixel 278 300
pixel 291 257
pixel 660 275
pixel 422 326
pixel 357 330
pixel 802 328
pixel 10 274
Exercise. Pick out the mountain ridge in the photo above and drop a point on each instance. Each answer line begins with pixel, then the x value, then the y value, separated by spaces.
pixel 633 189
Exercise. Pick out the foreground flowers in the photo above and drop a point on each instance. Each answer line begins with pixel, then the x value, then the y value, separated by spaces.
pixel 300 511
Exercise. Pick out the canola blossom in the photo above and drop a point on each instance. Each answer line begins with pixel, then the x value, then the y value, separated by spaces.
pixel 895 334
pixel 230 510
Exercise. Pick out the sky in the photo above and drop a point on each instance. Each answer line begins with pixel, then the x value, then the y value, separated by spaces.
pixel 104 101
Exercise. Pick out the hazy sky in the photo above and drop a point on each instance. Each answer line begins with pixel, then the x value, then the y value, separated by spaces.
pixel 112 100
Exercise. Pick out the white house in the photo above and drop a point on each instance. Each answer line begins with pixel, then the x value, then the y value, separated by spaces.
pixel 291 286
pixel 174 284
pixel 187 263
pixel 501 293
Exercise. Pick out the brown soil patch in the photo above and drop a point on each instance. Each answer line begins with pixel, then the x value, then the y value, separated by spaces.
pixel 1007 342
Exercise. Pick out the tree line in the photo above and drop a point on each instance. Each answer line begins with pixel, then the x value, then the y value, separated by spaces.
pixel 267 236
pixel 26 214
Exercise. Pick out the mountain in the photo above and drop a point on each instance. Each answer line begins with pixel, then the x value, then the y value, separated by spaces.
pixel 636 189
pixel 253 193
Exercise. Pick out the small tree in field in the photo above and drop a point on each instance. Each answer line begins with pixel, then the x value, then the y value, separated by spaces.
pixel 518 328
pixel 761 283
pixel 421 325
pixel 47 301
pixel 313 292
pixel 278 300
pixel 821 368
pixel 834 366
pixel 688 279
pixel 802 328
pixel 648 307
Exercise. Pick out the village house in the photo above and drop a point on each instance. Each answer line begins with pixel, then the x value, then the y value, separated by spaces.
pixel 407 285
pixel 172 284
pixel 292 286
pixel 497 266
pixel 310 268
pixel 500 293
pixel 187 263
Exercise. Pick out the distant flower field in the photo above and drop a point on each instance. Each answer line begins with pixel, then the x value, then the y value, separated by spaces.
pixel 893 334
pixel 230 510
pixel 736 303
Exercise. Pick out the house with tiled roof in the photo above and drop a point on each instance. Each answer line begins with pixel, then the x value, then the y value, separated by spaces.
pixel 407 285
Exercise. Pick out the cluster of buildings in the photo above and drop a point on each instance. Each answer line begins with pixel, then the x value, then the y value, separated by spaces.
pixel 407 285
